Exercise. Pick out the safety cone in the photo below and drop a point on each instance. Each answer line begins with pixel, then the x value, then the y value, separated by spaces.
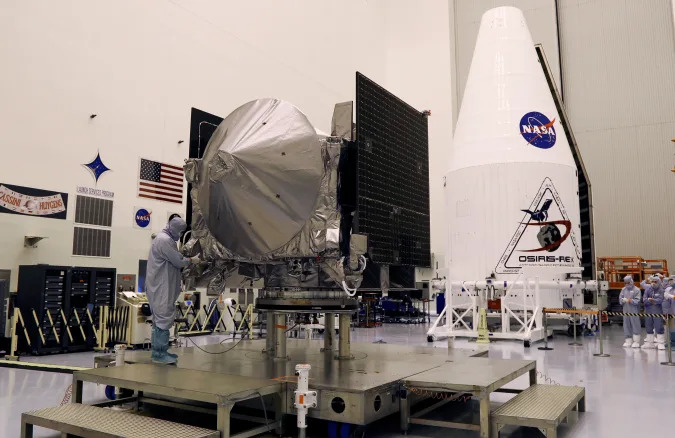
pixel 483 334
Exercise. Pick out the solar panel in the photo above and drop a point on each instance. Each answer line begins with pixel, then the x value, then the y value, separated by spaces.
pixel 392 177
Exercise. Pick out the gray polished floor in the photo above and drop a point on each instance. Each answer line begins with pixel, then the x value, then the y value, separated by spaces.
pixel 628 394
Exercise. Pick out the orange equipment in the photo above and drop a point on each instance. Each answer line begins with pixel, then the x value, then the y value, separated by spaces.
pixel 613 269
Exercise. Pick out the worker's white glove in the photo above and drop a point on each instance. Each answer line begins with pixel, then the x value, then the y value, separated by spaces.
pixel 195 260
pixel 623 300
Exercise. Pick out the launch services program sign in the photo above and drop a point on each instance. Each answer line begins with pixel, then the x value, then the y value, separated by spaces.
pixel 32 202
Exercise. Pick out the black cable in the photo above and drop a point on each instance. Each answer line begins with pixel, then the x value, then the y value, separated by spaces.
pixel 218 352
pixel 267 421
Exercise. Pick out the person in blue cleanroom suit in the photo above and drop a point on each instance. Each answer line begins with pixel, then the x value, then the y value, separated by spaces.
pixel 644 284
pixel 162 285
pixel 653 300
pixel 630 299
pixel 669 306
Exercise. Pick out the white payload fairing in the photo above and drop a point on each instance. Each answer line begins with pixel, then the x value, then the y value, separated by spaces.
pixel 512 187
pixel 512 194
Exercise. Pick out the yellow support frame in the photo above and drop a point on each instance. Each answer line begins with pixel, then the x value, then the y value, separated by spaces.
pixel 37 323
pixel 249 312
pixel 16 316
pixel 79 324
pixel 65 321
pixel 51 323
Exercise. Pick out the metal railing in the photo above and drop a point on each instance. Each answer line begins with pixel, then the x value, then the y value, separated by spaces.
pixel 599 313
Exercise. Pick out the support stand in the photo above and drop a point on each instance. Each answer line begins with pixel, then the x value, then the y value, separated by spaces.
pixel 304 398
pixel 545 347
pixel 280 327
pixel 344 343
pixel 329 332
pixel 669 348
pixel 601 353
pixel 271 319
pixel 574 331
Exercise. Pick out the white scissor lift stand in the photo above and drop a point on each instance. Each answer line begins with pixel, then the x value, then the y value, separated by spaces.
pixel 522 303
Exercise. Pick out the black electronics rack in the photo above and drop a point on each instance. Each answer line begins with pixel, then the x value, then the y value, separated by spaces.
pixel 103 293
pixel 41 295
pixel 78 300
pixel 76 291
pixel 4 307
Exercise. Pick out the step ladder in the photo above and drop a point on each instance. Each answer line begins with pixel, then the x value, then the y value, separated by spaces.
pixel 91 421
pixel 541 406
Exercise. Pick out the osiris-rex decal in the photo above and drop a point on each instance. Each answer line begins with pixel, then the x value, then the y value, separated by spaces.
pixel 544 236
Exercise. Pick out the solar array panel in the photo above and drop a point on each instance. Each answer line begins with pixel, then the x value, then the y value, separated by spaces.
pixel 392 177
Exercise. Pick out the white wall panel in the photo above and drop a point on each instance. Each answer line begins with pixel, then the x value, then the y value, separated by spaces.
pixel 141 66
pixel 418 71
pixel 618 69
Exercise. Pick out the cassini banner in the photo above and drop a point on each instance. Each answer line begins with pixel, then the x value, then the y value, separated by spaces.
pixel 32 202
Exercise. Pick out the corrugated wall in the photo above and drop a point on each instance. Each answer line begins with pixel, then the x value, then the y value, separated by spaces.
pixel 541 19
pixel 618 68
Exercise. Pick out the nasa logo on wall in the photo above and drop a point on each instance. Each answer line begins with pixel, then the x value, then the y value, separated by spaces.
pixel 538 130
pixel 543 236
pixel 142 218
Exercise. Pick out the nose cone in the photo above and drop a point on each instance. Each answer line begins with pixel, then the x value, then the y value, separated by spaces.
pixel 508 113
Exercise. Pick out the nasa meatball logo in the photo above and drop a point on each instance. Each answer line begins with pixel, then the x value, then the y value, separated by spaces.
pixel 543 237
pixel 538 130
pixel 142 217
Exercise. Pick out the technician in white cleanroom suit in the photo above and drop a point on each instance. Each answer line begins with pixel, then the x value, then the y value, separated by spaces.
pixel 653 299
pixel 162 285
pixel 669 308
pixel 630 299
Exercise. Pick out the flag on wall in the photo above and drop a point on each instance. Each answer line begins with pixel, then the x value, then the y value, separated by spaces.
pixel 160 181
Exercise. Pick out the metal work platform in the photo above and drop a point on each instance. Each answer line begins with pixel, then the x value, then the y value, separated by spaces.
pixel 476 376
pixel 541 406
pixel 223 390
pixel 380 380
pixel 356 391
pixel 90 421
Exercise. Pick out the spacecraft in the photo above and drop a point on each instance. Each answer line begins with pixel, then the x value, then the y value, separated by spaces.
pixel 305 212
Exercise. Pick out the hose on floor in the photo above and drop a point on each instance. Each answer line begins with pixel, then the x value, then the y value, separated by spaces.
pixel 68 395
pixel 546 378
pixel 438 395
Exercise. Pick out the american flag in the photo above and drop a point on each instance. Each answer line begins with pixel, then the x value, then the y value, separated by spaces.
pixel 160 181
